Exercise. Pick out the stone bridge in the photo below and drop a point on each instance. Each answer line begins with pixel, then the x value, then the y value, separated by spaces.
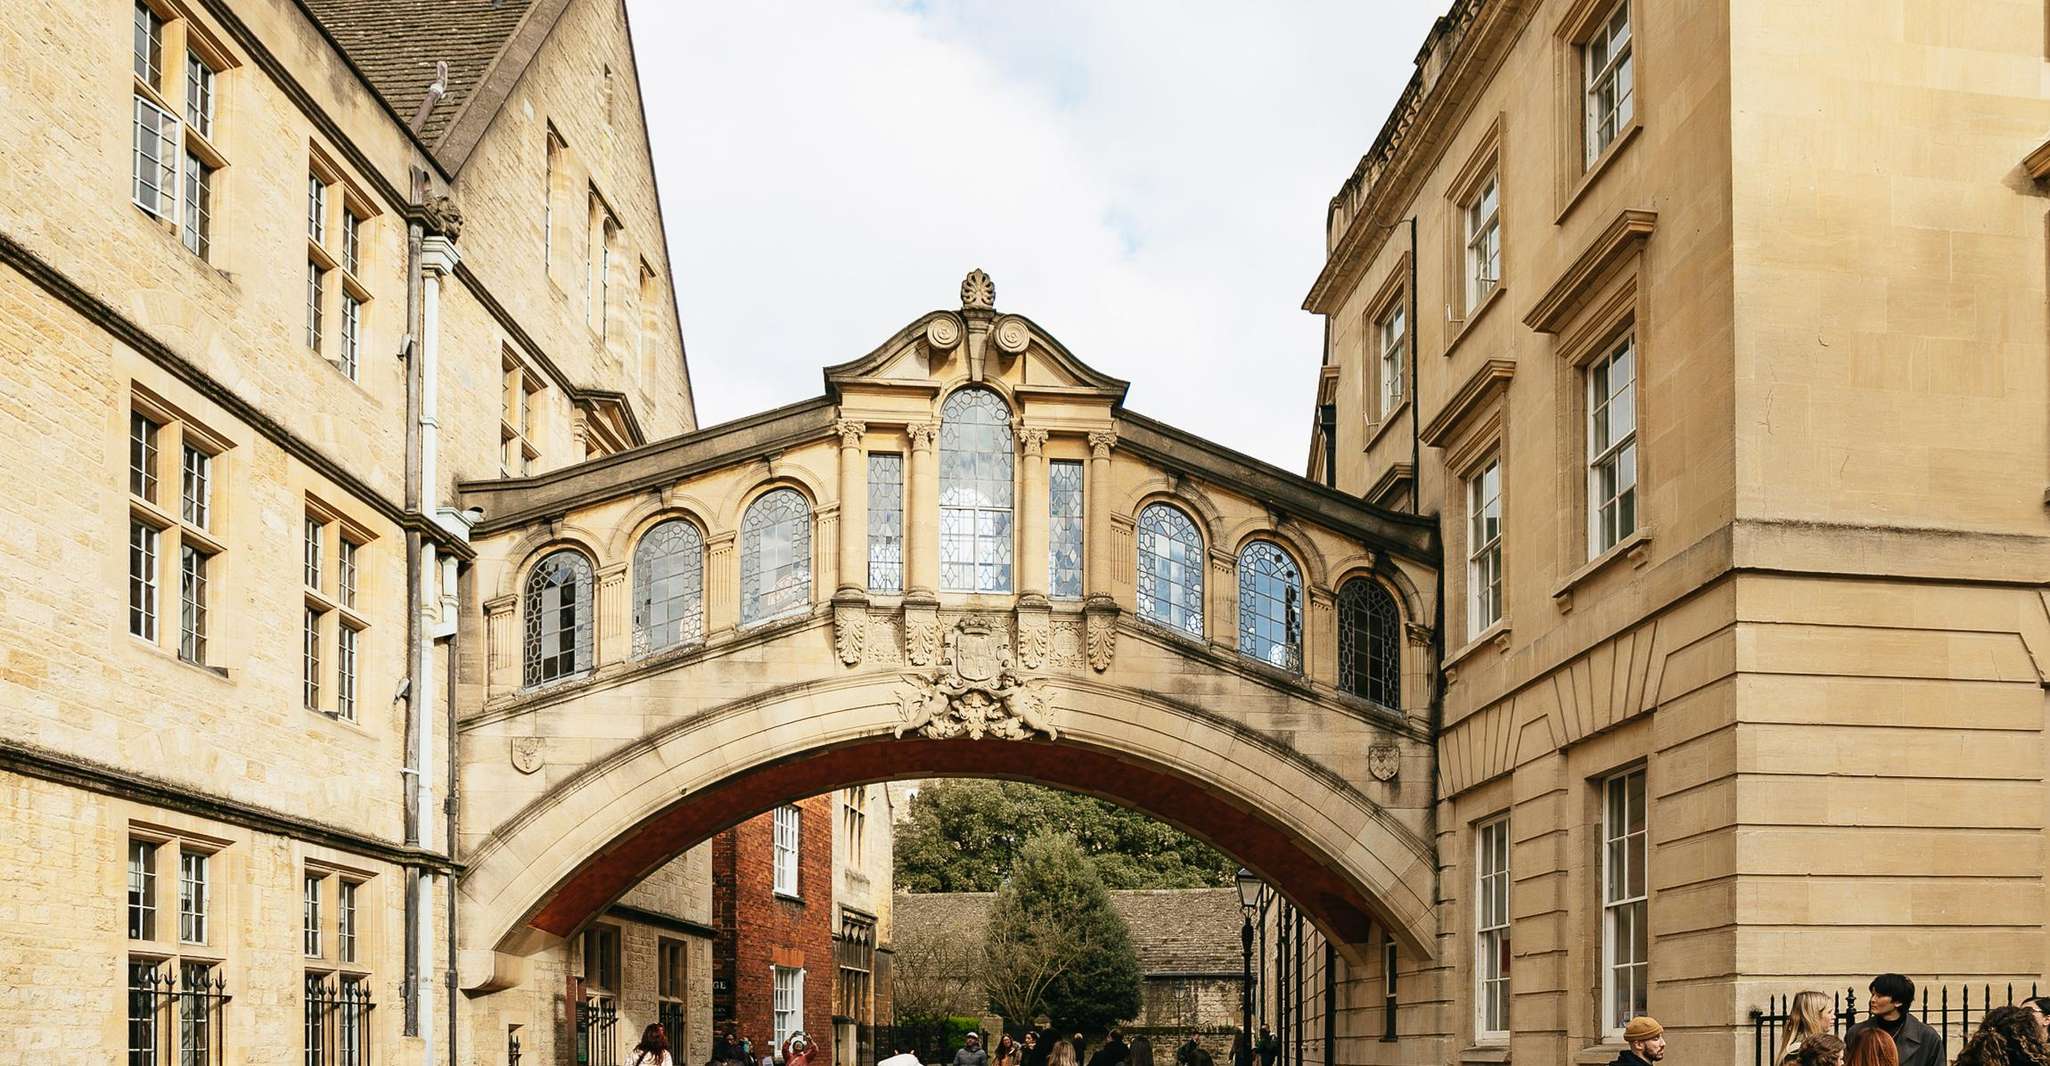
pixel 966 558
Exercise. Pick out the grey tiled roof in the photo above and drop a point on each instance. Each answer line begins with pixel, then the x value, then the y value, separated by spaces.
pixel 396 43
pixel 1174 931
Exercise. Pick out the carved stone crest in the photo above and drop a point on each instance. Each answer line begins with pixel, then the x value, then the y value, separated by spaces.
pixel 1384 761
pixel 975 692
pixel 526 754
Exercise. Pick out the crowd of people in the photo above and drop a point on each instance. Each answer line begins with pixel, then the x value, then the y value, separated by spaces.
pixel 731 1047
pixel 1890 1035
pixel 1042 1045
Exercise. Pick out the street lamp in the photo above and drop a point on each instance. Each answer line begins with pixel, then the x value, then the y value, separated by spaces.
pixel 1250 889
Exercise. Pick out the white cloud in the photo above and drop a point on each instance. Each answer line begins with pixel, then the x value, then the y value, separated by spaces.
pixel 1146 180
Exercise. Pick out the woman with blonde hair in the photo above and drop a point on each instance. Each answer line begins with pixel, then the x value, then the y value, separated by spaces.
pixel 1063 1054
pixel 1807 1016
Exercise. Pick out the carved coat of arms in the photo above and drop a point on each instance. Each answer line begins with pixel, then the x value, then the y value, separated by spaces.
pixel 526 754
pixel 975 692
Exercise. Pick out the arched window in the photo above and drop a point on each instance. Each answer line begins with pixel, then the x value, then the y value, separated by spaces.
pixel 1170 569
pixel 1369 643
pixel 975 492
pixel 775 557
pixel 558 623
pixel 1270 606
pixel 669 587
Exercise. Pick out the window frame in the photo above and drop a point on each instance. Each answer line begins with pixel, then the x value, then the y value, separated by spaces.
pixel 1391 331
pixel 1614 903
pixel 681 591
pixel 1368 602
pixel 1151 606
pixel 759 605
pixel 1483 551
pixel 1264 553
pixel 519 388
pixel 175 542
pixel 1619 450
pixel 1390 965
pixel 786 1003
pixel 1483 239
pixel 1618 67
pixel 1492 922
pixel 786 843
pixel 962 435
pixel 578 641
pixel 885 521
pixel 1067 532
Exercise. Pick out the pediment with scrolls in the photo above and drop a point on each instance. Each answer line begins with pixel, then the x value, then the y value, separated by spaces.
pixel 976 342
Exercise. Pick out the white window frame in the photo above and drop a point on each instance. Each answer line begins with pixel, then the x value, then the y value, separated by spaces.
pixel 145 557
pixel 312 886
pixel 1483 240
pixel 1491 929
pixel 787 825
pixel 1484 547
pixel 193 895
pixel 1393 330
pixel 1390 957
pixel 1620 905
pixel 787 1002
pixel 162 166
pixel 1618 47
pixel 1621 451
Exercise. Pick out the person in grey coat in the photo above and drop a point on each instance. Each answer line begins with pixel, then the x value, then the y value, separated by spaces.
pixel 1887 1011
pixel 971 1053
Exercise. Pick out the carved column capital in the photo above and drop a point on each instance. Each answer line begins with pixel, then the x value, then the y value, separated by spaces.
pixel 1100 443
pixel 922 435
pixel 850 431
pixel 1032 439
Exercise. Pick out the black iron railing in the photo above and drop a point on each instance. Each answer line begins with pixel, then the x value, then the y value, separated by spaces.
pixel 597 1027
pixel 338 1010
pixel 1953 1011
pixel 670 1016
pixel 176 1014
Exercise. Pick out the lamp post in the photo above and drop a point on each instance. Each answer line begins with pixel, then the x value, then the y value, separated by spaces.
pixel 1249 898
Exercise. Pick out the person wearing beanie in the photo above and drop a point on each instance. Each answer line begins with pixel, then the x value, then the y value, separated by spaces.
pixel 1646 1040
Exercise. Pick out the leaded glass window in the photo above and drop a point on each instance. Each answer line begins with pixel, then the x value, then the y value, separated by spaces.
pixel 1369 645
pixel 976 461
pixel 1170 569
pixel 669 587
pixel 885 522
pixel 1270 606
pixel 1064 528
pixel 558 621
pixel 775 557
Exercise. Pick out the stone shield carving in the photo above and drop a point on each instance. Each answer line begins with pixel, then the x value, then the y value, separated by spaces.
pixel 1384 761
pixel 526 754
pixel 975 693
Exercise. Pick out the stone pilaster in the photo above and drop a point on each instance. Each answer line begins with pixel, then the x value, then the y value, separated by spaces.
pixel 502 644
pixel 1030 569
pixel 615 616
pixel 722 583
pixel 921 518
pixel 1096 505
pixel 853 541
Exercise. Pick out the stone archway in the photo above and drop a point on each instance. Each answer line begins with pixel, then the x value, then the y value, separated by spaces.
pixel 1345 859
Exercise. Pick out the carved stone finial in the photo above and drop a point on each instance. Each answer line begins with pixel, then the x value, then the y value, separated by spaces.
pixel 977 291
pixel 850 431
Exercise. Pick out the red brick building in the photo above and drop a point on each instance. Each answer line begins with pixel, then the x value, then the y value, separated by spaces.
pixel 773 967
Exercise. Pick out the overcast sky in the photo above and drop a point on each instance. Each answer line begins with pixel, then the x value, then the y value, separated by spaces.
pixel 1145 179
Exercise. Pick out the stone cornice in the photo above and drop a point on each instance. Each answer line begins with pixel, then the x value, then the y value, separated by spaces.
pixel 1487 380
pixel 1409 536
pixel 512 502
pixel 1624 235
pixel 127 785
pixel 1424 119
pixel 2037 162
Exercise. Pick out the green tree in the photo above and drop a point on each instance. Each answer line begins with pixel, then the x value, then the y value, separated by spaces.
pixel 965 835
pixel 1056 944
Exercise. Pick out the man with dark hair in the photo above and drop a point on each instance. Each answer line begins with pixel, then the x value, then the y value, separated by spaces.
pixel 1113 1052
pixel 2039 1009
pixel 1887 1011
pixel 1267 1047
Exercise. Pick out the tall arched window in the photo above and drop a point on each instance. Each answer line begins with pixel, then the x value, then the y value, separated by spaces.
pixel 775 557
pixel 669 587
pixel 558 622
pixel 1170 569
pixel 1270 606
pixel 975 492
pixel 1369 642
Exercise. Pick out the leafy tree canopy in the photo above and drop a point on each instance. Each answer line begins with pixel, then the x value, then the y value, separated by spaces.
pixel 966 836
pixel 1056 944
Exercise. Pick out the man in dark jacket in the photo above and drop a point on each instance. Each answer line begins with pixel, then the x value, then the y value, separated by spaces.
pixel 971 1053
pixel 1646 1040
pixel 1887 1010
pixel 1192 1054
pixel 1039 1041
pixel 1113 1052
pixel 1267 1047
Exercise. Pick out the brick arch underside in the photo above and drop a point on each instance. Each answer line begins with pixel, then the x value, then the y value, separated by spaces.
pixel 1314 882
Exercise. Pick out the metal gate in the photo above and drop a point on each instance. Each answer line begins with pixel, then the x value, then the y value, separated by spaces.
pixel 1953 1011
